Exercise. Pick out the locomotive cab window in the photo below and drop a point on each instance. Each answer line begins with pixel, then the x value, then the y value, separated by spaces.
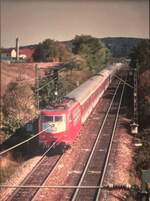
pixel 58 118
pixel 54 124
pixel 52 118
pixel 47 118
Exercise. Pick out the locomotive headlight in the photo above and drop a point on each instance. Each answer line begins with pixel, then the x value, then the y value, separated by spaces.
pixel 52 127
pixel 56 93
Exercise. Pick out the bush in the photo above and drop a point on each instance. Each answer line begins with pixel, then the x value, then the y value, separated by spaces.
pixel 50 50
pixel 18 106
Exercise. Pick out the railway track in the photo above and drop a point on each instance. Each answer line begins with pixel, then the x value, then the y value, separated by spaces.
pixel 94 171
pixel 36 177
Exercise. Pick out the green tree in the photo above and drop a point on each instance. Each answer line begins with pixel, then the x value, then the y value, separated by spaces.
pixel 50 50
pixel 75 62
pixel 53 90
pixel 92 50
pixel 140 56
pixel 18 106
pixel 47 93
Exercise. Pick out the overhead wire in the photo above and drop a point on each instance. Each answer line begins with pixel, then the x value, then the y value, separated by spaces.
pixel 109 187
pixel 44 85
pixel 23 142
pixel 47 82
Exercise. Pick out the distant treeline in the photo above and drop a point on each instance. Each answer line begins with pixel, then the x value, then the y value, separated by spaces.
pixel 118 46
pixel 121 47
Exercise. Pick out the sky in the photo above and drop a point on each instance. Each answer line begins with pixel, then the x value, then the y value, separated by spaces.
pixel 36 20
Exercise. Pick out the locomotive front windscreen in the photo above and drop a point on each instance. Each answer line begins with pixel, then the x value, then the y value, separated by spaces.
pixel 53 124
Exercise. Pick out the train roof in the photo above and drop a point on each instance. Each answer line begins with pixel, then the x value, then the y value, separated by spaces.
pixel 67 103
pixel 81 93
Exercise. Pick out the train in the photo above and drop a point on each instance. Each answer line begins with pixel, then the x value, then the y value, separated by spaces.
pixel 62 122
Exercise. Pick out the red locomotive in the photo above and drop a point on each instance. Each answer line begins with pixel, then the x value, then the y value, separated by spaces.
pixel 62 122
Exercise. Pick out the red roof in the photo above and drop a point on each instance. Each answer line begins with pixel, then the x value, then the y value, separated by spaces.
pixel 26 51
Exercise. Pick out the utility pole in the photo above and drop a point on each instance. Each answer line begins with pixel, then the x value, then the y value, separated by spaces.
pixel 55 77
pixel 17 49
pixel 145 178
pixel 135 96
pixel 134 125
pixel 37 85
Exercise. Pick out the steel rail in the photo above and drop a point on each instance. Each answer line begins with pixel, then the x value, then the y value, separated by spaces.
pixel 51 186
pixel 39 162
pixel 95 144
pixel 110 145
pixel 43 186
pixel 34 168
pixel 109 186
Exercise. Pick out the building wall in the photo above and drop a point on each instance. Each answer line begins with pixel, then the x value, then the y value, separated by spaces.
pixel 13 53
